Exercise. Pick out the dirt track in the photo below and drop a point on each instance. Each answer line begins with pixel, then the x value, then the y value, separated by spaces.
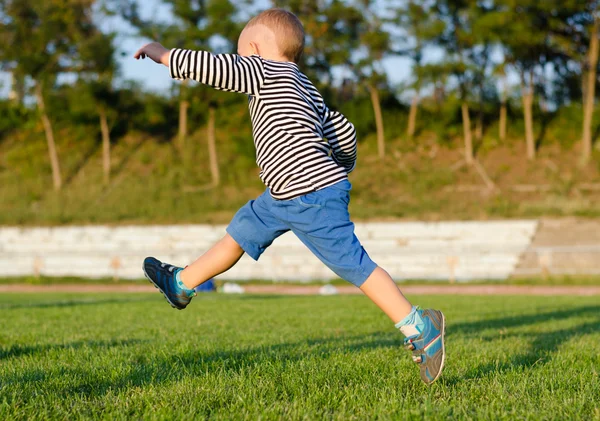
pixel 314 290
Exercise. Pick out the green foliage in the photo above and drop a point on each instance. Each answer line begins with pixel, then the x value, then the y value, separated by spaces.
pixel 416 180
pixel 331 28
pixel 14 117
pixel 421 29
pixel 360 112
pixel 123 356
pixel 41 38
pixel 476 45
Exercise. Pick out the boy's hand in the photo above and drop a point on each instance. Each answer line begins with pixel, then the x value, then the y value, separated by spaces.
pixel 155 51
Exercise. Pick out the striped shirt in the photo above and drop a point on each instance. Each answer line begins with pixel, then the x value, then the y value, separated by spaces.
pixel 301 146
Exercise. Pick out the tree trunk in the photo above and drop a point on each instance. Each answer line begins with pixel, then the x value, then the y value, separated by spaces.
pixel 479 127
pixel 528 116
pixel 503 111
pixel 439 94
pixel 54 163
pixel 467 133
pixel 212 149
pixel 412 116
pixel 503 121
pixel 584 83
pixel 183 116
pixel 479 123
pixel 378 120
pixel 590 94
pixel 183 107
pixel 105 145
pixel 542 97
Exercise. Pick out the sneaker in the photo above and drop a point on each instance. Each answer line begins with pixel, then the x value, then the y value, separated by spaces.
pixel 428 347
pixel 162 275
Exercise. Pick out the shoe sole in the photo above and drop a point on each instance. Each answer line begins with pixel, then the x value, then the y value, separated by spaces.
pixel 443 350
pixel 161 291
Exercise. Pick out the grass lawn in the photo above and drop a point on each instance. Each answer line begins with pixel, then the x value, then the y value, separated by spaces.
pixel 557 280
pixel 248 357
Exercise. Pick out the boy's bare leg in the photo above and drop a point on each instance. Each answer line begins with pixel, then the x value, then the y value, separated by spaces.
pixel 424 329
pixel 221 257
pixel 382 290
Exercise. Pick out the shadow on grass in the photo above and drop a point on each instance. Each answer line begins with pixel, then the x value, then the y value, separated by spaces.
pixel 16 351
pixel 542 345
pixel 71 303
pixel 251 297
pixel 155 368
pixel 149 368
pixel 127 157
pixel 522 320
pixel 82 163
pixel 546 118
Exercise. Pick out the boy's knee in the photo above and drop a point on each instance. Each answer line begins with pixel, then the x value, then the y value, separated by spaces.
pixel 358 274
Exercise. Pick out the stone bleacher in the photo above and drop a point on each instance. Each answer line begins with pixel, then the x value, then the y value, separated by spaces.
pixel 408 250
pixel 565 246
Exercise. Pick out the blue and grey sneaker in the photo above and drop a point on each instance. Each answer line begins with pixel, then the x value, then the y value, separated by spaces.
pixel 162 275
pixel 428 346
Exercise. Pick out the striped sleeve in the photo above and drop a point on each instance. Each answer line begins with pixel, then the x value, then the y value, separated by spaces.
pixel 226 72
pixel 341 136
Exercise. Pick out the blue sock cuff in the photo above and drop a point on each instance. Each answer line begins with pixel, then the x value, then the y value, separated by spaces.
pixel 180 283
pixel 413 319
pixel 408 320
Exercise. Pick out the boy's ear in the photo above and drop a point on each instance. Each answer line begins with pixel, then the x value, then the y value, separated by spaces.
pixel 255 49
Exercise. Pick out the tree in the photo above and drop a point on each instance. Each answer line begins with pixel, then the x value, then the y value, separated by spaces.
pixel 494 23
pixel 17 89
pixel 500 71
pixel 331 28
pixel 523 44
pixel 590 67
pixel 374 41
pixel 349 35
pixel 420 29
pixel 97 56
pixel 459 40
pixel 212 148
pixel 480 57
pixel 39 42
pixel 537 35
pixel 572 51
pixel 363 43
pixel 195 25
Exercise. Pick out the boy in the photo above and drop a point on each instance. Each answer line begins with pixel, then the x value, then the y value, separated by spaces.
pixel 305 152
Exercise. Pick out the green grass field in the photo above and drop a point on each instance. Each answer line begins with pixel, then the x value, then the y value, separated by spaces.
pixel 557 280
pixel 251 357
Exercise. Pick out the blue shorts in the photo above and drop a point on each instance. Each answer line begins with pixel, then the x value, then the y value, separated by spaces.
pixel 319 219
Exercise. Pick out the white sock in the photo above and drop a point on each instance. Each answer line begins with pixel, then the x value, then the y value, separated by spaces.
pixel 412 325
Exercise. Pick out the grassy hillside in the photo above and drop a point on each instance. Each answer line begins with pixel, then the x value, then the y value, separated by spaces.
pixel 152 182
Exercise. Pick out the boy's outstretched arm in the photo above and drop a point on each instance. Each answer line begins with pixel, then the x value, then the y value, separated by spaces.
pixel 227 72
pixel 153 51
pixel 341 136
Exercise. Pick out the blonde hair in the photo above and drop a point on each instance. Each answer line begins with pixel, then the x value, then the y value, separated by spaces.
pixel 287 28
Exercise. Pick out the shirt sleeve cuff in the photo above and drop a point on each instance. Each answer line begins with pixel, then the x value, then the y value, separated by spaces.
pixel 173 70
